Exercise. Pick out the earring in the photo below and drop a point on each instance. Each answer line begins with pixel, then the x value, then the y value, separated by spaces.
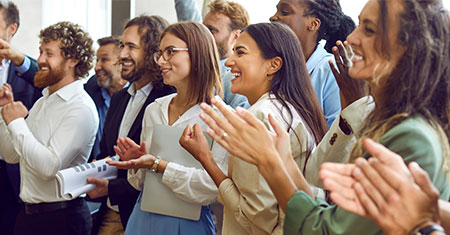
pixel 269 78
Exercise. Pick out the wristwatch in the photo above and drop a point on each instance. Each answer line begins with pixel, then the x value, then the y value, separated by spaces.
pixel 431 228
pixel 155 164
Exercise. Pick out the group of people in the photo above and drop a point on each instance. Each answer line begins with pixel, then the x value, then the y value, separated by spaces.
pixel 307 137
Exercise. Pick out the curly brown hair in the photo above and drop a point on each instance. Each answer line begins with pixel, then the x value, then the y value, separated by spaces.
pixel 74 43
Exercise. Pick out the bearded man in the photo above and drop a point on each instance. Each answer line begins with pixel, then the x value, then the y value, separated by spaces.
pixel 58 133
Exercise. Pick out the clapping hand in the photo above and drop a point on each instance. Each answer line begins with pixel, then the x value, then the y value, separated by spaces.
pixel 127 149
pixel 6 94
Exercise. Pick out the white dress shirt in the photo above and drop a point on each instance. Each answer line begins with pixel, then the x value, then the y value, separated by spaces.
pixel 59 133
pixel 189 184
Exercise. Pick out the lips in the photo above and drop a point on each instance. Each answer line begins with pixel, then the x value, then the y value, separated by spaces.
pixel 164 71
pixel 235 74
pixel 357 58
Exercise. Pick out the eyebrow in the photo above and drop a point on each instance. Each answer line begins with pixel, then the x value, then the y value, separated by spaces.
pixel 240 47
pixel 366 21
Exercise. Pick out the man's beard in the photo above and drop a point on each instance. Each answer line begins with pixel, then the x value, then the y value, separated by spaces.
pixel 49 78
pixel 222 47
pixel 134 75
pixel 106 84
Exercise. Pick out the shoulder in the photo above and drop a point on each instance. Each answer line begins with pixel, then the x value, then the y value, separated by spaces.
pixel 159 103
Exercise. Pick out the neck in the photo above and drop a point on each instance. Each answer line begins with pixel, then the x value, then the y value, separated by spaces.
pixel 309 46
pixel 182 98
pixel 143 81
pixel 114 88
pixel 64 82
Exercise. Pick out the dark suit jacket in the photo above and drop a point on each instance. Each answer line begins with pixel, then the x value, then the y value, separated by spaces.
pixel 95 92
pixel 120 191
pixel 24 91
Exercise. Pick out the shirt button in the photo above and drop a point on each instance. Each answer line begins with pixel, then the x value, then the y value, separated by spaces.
pixel 333 138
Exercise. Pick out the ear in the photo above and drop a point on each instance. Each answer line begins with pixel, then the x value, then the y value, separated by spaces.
pixel 274 65
pixel 72 62
pixel 235 34
pixel 314 23
pixel 11 30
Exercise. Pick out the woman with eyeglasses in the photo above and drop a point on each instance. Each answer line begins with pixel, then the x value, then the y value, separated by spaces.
pixel 193 69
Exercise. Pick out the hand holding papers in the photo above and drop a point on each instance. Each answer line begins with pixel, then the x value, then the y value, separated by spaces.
pixel 72 181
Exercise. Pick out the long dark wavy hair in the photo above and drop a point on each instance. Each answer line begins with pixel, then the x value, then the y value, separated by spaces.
pixel 419 83
pixel 291 84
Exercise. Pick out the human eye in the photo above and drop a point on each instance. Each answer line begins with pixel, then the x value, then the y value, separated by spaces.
pixel 368 31
pixel 121 46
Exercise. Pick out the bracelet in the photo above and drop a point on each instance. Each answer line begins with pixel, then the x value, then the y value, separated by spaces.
pixel 431 228
pixel 155 164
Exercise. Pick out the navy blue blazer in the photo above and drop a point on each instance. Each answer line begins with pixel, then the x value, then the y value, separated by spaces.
pixel 24 91
pixel 121 193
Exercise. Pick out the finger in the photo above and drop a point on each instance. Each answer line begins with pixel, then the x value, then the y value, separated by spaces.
pixel 366 202
pixel 219 140
pixel 142 147
pixel 347 204
pixel 219 121
pixel 213 124
pixel 376 177
pixel 343 180
pixel 228 113
pixel 250 118
pixel 338 168
pixel 117 150
pixel 379 151
pixel 120 164
pixel 338 58
pixel 360 176
pixel 121 144
pixel 342 52
pixel 130 142
pixel 197 133
pixel 187 133
pixel 333 69
pixel 279 131
pixel 333 185
pixel 389 175
pixel 93 180
pixel 423 180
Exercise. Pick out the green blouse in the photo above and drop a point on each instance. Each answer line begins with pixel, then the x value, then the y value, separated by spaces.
pixel 415 140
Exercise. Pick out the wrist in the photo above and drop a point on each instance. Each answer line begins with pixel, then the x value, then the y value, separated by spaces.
pixel 18 59
pixel 272 162
pixel 427 227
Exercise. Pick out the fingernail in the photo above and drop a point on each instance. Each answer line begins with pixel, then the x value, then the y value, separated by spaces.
pixel 356 171
pixel 203 105
pixel 359 161
pixel 239 109
pixel 202 115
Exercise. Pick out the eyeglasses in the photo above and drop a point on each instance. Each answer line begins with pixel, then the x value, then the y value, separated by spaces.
pixel 167 53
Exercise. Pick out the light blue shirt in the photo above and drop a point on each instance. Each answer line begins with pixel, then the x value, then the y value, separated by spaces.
pixel 324 83
pixel 24 67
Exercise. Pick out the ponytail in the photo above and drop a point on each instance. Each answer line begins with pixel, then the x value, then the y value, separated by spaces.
pixel 335 25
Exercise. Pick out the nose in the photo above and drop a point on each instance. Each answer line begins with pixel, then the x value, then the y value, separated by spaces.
pixel 274 18
pixel 123 53
pixel 97 66
pixel 352 38
pixel 41 59
pixel 230 61
pixel 161 61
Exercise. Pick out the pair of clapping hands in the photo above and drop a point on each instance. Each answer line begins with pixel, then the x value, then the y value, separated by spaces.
pixel 11 110
pixel 381 188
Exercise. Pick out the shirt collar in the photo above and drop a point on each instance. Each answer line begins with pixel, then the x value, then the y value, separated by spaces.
pixel 316 57
pixel 146 89
pixel 5 64
pixel 66 92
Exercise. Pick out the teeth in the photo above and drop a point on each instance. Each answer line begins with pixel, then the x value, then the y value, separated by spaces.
pixel 44 68
pixel 236 74
pixel 357 57
pixel 127 63
pixel 164 70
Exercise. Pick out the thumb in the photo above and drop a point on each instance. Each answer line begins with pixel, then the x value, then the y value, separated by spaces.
pixel 143 148
pixel 187 132
pixel 422 179
pixel 92 180
pixel 279 131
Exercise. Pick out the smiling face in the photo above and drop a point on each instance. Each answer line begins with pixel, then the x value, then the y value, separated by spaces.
pixel 176 70
pixel 369 61
pixel 132 54
pixel 249 69
pixel 107 67
pixel 52 65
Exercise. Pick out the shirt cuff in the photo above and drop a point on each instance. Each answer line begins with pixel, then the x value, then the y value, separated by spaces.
pixel 169 175
pixel 18 126
pixel 24 67
pixel 297 210
pixel 357 112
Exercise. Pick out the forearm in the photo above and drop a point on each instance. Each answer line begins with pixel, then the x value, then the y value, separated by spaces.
pixel 283 181
pixel 213 170
pixel 444 213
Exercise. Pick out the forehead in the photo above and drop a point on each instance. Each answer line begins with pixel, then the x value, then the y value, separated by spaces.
pixel 2 17
pixel 52 45
pixel 370 13
pixel 170 40
pixel 106 49
pixel 131 35
pixel 291 3
pixel 245 40
pixel 217 20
